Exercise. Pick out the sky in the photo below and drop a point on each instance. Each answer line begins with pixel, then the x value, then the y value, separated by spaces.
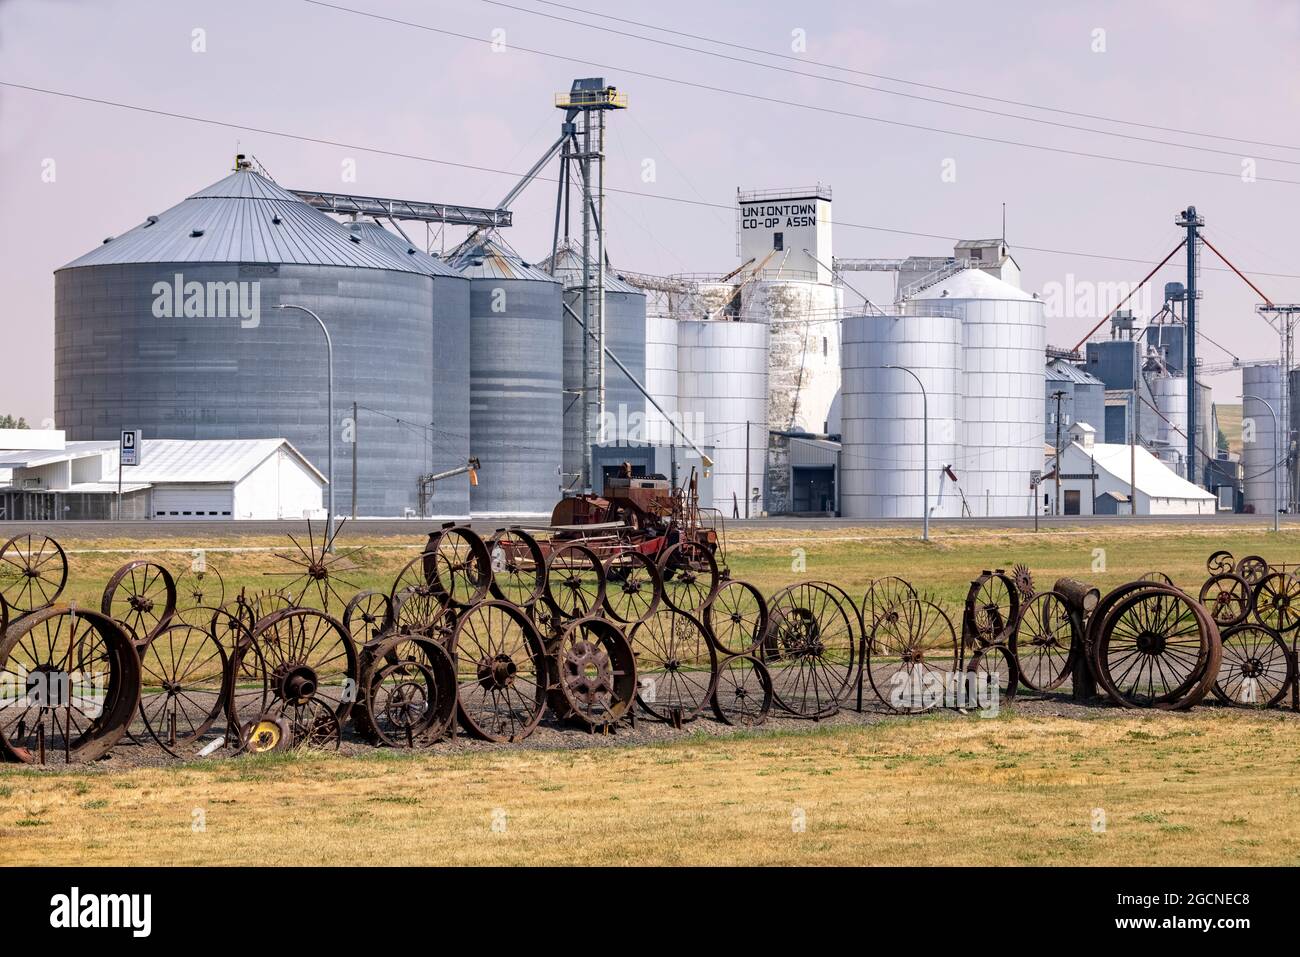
pixel 470 112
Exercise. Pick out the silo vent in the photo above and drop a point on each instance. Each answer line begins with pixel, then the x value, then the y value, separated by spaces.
pixel 355 238
pixel 107 241
pixel 276 220
pixel 149 221
pixel 195 233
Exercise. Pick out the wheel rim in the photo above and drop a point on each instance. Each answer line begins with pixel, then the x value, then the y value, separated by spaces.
pixel 1045 643
pixel 500 672
pixel 675 665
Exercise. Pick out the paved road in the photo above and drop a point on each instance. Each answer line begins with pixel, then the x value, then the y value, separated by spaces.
pixel 414 530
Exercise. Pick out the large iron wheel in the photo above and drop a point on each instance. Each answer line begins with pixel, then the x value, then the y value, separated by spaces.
pixel 418 605
pixel 500 672
pixel 142 596
pixel 1256 668
pixel 992 609
pixel 1158 648
pixel 911 653
pixel 575 581
pixel 458 566
pixel 691 576
pixel 1277 602
pixel 1228 598
pixel 366 616
pixel 742 693
pixel 518 567
pixel 184 686
pixel 993 666
pixel 407 692
pixel 33 571
pixel 633 587
pixel 199 585
pixel 810 649
pixel 1220 563
pixel 737 618
pixel 1044 642
pixel 73 680
pixel 675 666
pixel 1253 568
pixel 594 674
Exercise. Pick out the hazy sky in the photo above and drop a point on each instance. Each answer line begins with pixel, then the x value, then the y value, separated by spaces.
pixel 1210 70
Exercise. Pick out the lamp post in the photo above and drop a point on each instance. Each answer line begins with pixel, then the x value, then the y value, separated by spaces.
pixel 329 431
pixel 925 451
pixel 1276 469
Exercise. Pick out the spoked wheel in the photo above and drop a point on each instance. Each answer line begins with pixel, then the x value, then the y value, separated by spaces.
pixel 500 672
pixel 199 585
pixel 518 567
pixel 742 694
pixel 1277 602
pixel 910 656
pixel 1252 568
pixel 301 664
pixel 737 618
pixel 811 650
pixel 675 666
pixel 33 571
pixel 1228 598
pixel 318 572
pixel 1160 578
pixel 633 587
pixel 458 566
pixel 366 616
pixel 884 595
pixel 1256 669
pixel 992 608
pixel 407 692
pixel 691 577
pixel 1158 648
pixel 418 606
pixel 141 595
pixel 575 581
pixel 1220 563
pixel 594 674
pixel 996 672
pixel 73 684
pixel 184 687
pixel 1044 644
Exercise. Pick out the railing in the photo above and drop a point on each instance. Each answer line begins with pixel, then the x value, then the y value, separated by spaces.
pixel 607 99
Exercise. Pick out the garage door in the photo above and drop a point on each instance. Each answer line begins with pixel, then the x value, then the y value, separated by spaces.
pixel 203 503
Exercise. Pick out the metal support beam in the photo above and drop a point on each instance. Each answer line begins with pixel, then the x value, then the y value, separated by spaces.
pixel 347 204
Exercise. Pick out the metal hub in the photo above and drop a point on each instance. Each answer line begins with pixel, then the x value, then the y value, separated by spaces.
pixel 497 673
pixel 1151 643
pixel 294 681
pixel 140 603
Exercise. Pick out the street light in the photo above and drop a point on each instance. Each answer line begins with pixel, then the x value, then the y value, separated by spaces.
pixel 329 431
pixel 925 452
pixel 1276 470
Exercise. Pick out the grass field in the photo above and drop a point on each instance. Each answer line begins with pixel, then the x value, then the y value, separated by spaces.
pixel 1212 786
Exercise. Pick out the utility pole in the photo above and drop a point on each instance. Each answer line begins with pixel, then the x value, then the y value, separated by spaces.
pixel 354 458
pixel 1056 499
pixel 1189 220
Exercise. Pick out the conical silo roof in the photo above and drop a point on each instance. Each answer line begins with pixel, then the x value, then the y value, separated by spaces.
pixel 374 234
pixel 485 256
pixel 568 269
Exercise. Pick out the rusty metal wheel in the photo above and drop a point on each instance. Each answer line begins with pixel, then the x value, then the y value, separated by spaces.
pixel 265 733
pixel 142 596
pixel 199 585
pixel 1276 602
pixel 72 685
pixel 317 572
pixel 593 674
pixel 993 666
pixel 691 577
pixel 633 587
pixel 501 672
pixel 1157 647
pixel 675 664
pixel 1228 598
pixel 367 615
pixel 518 567
pixel 742 693
pixel 406 692
pixel 299 663
pixel 33 572
pixel 1256 670
pixel 1159 578
pixel 458 566
pixel 1220 563
pixel 992 609
pixel 1252 568
pixel 1044 643
pixel 911 655
pixel 418 606
pixel 811 649
pixel 185 683
pixel 737 618
pixel 547 619
pixel 575 581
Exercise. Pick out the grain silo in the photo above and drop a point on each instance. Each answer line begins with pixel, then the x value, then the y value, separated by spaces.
pixel 1004 335
pixel 1261 384
pixel 447 435
pixel 661 379
pixel 516 379
pixel 722 388
pixel 1169 392
pixel 883 415
pixel 170 328
pixel 625 336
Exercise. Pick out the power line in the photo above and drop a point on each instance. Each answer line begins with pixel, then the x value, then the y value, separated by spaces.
pixel 879 89
pixel 927 86
pixel 831 111
pixel 661 197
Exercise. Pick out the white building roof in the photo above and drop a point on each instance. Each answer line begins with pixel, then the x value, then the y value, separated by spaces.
pixel 210 461
pixel 1151 476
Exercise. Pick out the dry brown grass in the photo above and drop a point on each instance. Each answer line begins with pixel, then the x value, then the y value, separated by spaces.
pixel 1205 788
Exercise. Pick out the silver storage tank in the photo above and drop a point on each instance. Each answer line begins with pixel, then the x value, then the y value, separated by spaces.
pixel 1259 456
pixel 1004 340
pixel 625 335
pixel 446 435
pixel 882 424
pixel 661 379
pixel 721 385
pixel 170 328
pixel 516 379
pixel 1170 396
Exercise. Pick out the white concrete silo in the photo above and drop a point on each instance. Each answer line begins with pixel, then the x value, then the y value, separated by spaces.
pixel 1170 396
pixel 721 386
pixel 660 379
pixel 1259 456
pixel 1004 339
pixel 883 420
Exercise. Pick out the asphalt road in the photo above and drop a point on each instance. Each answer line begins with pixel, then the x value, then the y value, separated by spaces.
pixel 415 529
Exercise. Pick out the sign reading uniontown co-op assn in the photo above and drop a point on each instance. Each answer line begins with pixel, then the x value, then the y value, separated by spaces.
pixel 786 232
